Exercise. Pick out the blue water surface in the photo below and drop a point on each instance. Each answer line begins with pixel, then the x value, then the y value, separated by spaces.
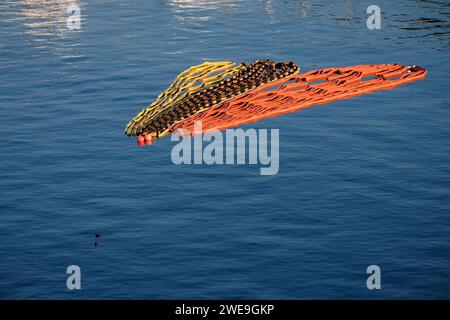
pixel 362 181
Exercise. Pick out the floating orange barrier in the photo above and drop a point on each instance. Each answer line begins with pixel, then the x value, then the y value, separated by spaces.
pixel 200 88
pixel 302 91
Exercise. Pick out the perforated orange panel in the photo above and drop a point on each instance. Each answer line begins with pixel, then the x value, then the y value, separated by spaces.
pixel 302 91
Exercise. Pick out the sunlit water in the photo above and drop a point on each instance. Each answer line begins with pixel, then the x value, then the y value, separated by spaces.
pixel 362 181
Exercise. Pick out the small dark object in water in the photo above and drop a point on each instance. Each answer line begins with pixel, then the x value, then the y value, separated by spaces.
pixel 97 235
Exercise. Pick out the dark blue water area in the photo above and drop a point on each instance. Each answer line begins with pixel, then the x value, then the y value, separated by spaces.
pixel 361 181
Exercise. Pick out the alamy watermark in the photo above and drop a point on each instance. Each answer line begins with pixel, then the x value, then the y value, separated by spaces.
pixel 74 278
pixel 374 20
pixel 374 280
pixel 230 147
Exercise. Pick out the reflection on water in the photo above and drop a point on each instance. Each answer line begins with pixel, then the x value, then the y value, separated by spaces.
pixel 42 25
pixel 417 19
pixel 343 11
pixel 426 23
pixel 199 10
pixel 275 9
pixel 304 8
pixel 268 7
pixel 195 15
pixel 401 21
pixel 40 18
pixel 195 5
pixel 430 22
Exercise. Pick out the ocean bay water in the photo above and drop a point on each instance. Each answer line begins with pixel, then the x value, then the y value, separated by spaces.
pixel 362 181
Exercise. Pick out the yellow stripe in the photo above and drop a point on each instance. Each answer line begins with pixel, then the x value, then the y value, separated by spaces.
pixel 189 82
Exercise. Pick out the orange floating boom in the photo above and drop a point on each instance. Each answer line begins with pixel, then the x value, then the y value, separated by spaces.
pixel 299 92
